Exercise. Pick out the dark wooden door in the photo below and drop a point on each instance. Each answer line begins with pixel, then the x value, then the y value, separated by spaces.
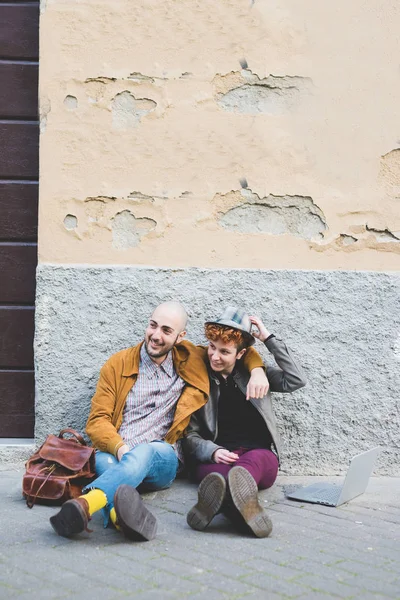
pixel 19 173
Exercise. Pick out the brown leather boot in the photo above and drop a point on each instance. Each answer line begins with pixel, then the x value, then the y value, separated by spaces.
pixel 247 510
pixel 135 520
pixel 211 495
pixel 73 518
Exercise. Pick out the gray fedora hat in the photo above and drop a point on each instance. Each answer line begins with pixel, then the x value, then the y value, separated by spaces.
pixel 237 319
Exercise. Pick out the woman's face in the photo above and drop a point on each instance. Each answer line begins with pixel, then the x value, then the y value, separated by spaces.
pixel 223 356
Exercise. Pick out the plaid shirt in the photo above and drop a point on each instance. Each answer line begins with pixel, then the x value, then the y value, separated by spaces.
pixel 150 405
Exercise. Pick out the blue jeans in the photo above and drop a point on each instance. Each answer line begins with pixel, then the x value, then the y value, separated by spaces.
pixel 154 465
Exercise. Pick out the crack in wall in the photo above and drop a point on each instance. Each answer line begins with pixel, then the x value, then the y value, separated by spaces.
pixel 276 215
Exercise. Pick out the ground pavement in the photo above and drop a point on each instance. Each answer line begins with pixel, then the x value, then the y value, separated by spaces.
pixel 314 552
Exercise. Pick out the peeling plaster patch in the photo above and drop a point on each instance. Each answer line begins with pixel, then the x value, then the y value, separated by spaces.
pixel 100 198
pixel 100 79
pixel 185 194
pixel 140 196
pixel 383 235
pixel 370 238
pixel 390 171
pixel 276 215
pixel 140 77
pixel 186 75
pixel 70 222
pixel 127 111
pixel 271 95
pixel 127 230
pixel 347 240
pixel 71 102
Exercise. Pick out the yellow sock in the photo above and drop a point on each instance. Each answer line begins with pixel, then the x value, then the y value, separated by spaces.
pixel 96 500
pixel 113 517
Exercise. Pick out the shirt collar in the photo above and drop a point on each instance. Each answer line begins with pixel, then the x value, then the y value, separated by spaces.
pixel 145 361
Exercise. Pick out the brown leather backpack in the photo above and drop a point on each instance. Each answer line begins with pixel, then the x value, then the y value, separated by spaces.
pixel 58 470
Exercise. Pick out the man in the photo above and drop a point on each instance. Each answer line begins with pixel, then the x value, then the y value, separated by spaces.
pixel 142 405
pixel 234 443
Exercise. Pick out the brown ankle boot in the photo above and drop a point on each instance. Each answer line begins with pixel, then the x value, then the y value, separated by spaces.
pixel 135 520
pixel 211 495
pixel 72 518
pixel 246 511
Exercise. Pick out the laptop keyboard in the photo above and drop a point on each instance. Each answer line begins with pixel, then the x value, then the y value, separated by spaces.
pixel 325 495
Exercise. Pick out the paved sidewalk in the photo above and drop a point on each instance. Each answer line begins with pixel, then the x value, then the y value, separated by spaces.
pixel 314 552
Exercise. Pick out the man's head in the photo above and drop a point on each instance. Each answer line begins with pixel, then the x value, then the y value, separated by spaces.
pixel 167 327
pixel 229 337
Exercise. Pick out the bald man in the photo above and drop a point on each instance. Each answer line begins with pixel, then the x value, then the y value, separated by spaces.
pixel 142 406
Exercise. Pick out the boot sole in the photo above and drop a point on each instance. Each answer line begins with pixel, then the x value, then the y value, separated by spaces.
pixel 135 520
pixel 211 494
pixel 70 520
pixel 244 494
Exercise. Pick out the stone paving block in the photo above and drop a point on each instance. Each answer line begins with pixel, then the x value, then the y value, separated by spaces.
pixel 363 570
pixel 321 584
pixel 208 594
pixel 318 596
pixel 7 591
pixel 267 583
pixel 275 570
pixel 162 579
pixel 341 529
pixel 227 585
pixel 155 594
pixel 173 566
pixel 373 596
pixel 363 582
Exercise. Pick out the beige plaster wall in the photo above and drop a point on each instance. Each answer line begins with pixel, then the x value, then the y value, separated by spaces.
pixel 152 112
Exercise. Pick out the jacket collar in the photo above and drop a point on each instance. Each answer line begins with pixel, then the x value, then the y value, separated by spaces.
pixel 187 359
pixel 132 360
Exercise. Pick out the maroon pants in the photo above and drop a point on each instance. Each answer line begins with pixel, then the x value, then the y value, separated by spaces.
pixel 262 464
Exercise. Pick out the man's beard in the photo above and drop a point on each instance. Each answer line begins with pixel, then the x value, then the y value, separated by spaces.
pixel 163 350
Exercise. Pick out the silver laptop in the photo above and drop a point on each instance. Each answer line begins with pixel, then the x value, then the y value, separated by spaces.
pixel 331 494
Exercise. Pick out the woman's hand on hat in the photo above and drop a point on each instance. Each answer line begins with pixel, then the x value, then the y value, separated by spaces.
pixel 262 332
pixel 223 456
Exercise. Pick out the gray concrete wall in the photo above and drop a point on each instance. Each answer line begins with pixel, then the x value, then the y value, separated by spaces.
pixel 343 327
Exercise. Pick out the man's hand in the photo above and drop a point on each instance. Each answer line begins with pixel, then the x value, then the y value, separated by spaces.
pixel 262 332
pixel 122 450
pixel 258 385
pixel 223 456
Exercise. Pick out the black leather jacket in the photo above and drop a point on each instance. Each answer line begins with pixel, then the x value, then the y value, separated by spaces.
pixel 199 442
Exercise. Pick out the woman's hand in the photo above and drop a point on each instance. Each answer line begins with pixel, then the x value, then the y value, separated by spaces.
pixel 262 332
pixel 258 385
pixel 223 456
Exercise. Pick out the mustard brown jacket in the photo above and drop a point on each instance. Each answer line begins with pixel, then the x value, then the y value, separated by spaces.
pixel 119 374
